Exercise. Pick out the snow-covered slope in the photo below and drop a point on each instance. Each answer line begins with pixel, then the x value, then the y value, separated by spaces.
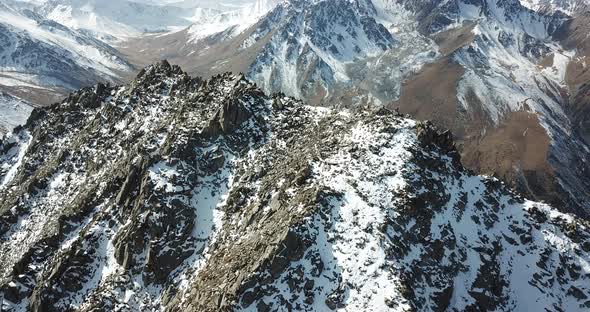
pixel 569 7
pixel 178 194
pixel 229 21
pixel 225 5
pixel 40 56
pixel 13 112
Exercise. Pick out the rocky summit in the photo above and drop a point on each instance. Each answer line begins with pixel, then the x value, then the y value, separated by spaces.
pixel 175 193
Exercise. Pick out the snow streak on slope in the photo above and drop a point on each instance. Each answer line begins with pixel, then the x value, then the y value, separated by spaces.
pixel 12 159
pixel 510 63
pixel 508 80
pixel 13 112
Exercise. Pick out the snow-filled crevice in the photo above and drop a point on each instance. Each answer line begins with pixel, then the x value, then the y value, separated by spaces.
pixel 12 160
pixel 208 201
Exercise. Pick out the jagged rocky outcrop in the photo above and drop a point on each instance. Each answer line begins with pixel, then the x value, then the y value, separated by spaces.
pixel 175 193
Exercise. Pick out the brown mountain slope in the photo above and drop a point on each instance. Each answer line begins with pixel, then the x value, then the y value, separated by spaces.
pixel 575 35
pixel 206 58
pixel 516 150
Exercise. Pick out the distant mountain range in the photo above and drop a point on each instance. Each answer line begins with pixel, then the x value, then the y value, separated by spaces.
pixel 41 60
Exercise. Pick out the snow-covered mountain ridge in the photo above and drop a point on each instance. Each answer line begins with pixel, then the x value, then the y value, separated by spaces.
pixel 116 21
pixel 495 72
pixel 113 21
pixel 186 194
pixel 26 33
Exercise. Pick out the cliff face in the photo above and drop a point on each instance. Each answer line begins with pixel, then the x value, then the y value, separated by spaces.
pixel 176 193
